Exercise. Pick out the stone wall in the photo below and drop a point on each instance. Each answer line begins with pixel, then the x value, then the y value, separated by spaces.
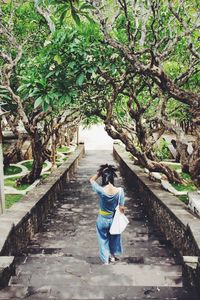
pixel 19 223
pixel 168 213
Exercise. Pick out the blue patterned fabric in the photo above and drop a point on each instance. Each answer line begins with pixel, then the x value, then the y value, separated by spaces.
pixel 108 244
pixel 107 202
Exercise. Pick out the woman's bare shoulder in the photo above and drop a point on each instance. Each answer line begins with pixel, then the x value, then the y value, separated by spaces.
pixel 111 191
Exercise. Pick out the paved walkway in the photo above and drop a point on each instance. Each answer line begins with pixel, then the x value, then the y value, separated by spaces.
pixel 62 261
pixel 96 138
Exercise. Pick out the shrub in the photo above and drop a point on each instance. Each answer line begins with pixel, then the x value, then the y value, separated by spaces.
pixel 162 151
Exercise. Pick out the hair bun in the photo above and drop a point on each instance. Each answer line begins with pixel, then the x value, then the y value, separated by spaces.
pixel 106 168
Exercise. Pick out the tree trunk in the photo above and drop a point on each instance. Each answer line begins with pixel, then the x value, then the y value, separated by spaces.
pixel 194 161
pixel 14 150
pixel 190 162
pixel 183 156
pixel 62 139
pixel 9 155
pixel 143 160
pixel 68 137
pixel 38 160
pixel 53 152
pixel 156 166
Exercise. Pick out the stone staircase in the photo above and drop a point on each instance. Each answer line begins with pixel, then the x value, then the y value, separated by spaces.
pixel 61 262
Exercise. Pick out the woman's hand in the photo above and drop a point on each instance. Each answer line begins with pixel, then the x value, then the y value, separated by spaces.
pixel 122 209
pixel 94 177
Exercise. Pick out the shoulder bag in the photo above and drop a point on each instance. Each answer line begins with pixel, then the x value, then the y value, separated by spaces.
pixel 120 221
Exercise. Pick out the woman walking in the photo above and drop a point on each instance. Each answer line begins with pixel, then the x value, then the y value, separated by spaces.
pixel 109 197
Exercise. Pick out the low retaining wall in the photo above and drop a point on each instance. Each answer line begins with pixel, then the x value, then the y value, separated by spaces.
pixel 19 223
pixel 169 214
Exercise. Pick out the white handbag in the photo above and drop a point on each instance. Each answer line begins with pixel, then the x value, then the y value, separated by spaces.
pixel 120 221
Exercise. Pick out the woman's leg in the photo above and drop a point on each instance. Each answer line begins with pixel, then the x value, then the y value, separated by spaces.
pixel 115 244
pixel 102 227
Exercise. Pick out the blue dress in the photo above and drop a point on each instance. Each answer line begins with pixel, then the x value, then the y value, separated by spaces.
pixel 108 244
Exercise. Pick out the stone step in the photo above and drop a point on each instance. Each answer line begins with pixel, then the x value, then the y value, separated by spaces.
pixel 149 255
pixel 48 253
pixel 58 292
pixel 7 268
pixel 77 270
pixel 61 262
pixel 137 241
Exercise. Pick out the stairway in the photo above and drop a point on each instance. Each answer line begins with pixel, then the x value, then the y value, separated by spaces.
pixel 61 262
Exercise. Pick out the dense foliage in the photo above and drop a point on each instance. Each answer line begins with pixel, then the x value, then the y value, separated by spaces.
pixel 132 64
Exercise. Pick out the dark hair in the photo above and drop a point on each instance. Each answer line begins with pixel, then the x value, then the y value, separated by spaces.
pixel 108 173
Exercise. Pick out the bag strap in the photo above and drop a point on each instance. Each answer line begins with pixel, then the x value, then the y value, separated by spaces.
pixel 120 190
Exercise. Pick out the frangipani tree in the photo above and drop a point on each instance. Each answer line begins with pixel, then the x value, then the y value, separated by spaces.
pixel 30 96
pixel 159 40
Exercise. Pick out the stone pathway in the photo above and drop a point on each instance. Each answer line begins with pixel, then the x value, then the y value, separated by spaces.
pixel 62 261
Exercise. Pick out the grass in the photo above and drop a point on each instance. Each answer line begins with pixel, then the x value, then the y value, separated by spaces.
pixel 44 176
pixel 60 162
pixel 188 186
pixel 186 176
pixel 63 149
pixel 12 182
pixel 183 198
pixel 12 170
pixel 174 167
pixel 11 199
pixel 44 165
pixel 28 164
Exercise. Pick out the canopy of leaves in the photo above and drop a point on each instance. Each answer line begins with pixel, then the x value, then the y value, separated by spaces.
pixel 65 67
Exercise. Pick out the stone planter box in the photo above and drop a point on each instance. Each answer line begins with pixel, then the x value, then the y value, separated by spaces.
pixel 169 214
pixel 19 223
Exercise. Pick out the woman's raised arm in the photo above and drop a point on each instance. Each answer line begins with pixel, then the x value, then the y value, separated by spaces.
pixel 94 177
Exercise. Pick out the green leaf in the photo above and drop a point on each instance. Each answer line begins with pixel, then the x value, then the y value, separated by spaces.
pixel 75 17
pixel 45 106
pixel 41 82
pixel 38 102
pixel 22 87
pixel 92 70
pixel 80 79
pixel 86 6
pixel 113 68
pixel 49 74
pixel 34 92
pixel 68 99
pixel 63 15
pixel 89 19
pixel 47 98
pixel 72 64
pixel 57 72
pixel 57 58
pixel 3 96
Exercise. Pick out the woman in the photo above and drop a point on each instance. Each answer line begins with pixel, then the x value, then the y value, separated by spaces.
pixel 109 197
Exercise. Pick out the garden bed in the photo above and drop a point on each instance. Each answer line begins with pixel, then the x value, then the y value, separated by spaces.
pixel 14 192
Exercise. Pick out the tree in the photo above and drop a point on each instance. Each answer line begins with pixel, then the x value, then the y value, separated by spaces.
pixel 129 74
pixel 151 35
pixel 28 95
